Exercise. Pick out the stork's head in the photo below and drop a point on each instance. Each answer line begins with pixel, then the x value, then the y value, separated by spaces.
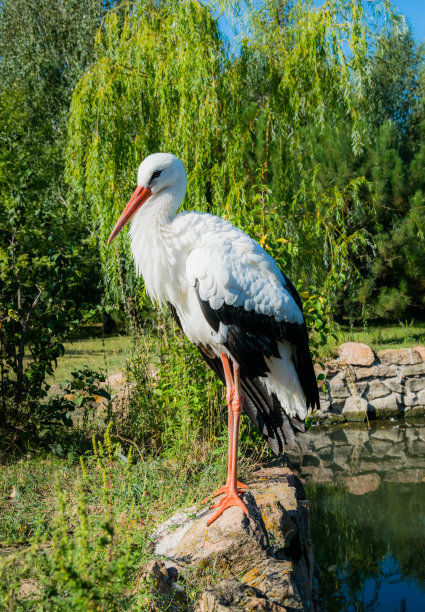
pixel 158 174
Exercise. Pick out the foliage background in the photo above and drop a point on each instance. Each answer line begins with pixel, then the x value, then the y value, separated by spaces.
pixel 307 131
pixel 309 136
pixel 161 79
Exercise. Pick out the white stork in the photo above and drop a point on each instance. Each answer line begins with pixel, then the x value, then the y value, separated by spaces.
pixel 232 301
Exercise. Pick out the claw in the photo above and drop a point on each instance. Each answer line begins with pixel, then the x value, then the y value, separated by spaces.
pixel 224 489
pixel 229 500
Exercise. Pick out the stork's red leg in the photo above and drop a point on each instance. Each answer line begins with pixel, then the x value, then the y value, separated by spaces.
pixel 230 396
pixel 241 486
pixel 230 387
pixel 231 497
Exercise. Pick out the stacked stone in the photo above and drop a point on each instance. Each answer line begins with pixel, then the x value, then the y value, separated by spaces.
pixel 362 383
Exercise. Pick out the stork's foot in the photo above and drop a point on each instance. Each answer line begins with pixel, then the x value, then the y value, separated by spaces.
pixel 224 489
pixel 229 500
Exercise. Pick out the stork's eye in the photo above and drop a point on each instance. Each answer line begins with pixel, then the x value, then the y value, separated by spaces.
pixel 155 174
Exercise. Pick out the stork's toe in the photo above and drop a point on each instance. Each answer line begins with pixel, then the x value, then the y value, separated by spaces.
pixel 230 500
pixel 224 489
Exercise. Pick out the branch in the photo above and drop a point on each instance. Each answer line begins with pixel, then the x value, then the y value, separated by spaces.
pixel 248 169
pixel 20 359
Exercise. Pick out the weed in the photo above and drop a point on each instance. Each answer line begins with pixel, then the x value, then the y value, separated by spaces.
pixel 78 532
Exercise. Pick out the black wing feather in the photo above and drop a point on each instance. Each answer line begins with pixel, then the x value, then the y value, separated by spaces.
pixel 252 337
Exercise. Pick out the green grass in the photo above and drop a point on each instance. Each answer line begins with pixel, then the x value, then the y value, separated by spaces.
pixel 77 537
pixel 107 353
pixel 28 496
pixel 379 337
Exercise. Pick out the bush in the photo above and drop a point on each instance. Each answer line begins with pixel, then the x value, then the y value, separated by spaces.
pixel 83 537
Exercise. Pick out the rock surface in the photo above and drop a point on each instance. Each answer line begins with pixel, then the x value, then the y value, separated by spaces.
pixel 355 408
pixel 260 561
pixel 356 353
pixel 230 595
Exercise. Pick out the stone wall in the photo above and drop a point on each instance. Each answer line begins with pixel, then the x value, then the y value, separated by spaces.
pixel 362 384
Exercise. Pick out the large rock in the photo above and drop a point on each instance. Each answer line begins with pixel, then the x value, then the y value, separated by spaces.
pixel 392 381
pixel 377 389
pixel 413 370
pixel 324 404
pixel 356 353
pixel 394 384
pixel 233 596
pixel 413 385
pixel 355 408
pixel 384 407
pixel 420 350
pixel 403 356
pixel 228 541
pixel 338 394
pixel 337 387
pixel 388 370
pixel 359 387
pixel 409 399
pixel 269 549
pixel 376 371
pixel 362 373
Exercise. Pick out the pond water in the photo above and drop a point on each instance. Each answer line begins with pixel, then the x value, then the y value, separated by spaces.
pixel 367 494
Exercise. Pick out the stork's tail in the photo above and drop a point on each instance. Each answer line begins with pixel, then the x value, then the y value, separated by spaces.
pixel 263 408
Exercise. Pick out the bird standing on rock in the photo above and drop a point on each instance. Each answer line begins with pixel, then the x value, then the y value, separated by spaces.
pixel 232 301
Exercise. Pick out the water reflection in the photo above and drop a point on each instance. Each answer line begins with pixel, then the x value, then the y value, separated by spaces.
pixel 367 490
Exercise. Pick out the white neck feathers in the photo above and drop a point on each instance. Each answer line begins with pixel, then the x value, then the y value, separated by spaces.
pixel 154 245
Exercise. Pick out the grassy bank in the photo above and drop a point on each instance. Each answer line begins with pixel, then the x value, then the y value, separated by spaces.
pixel 76 518
pixel 109 353
pixel 75 529
pixel 378 337
pixel 386 336
pixel 76 533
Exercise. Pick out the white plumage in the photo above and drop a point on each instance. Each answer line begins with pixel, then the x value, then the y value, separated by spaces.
pixel 228 295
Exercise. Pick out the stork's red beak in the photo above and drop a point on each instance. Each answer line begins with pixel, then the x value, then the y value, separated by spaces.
pixel 138 198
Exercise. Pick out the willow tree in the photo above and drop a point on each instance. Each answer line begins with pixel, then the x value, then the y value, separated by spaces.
pixel 165 79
